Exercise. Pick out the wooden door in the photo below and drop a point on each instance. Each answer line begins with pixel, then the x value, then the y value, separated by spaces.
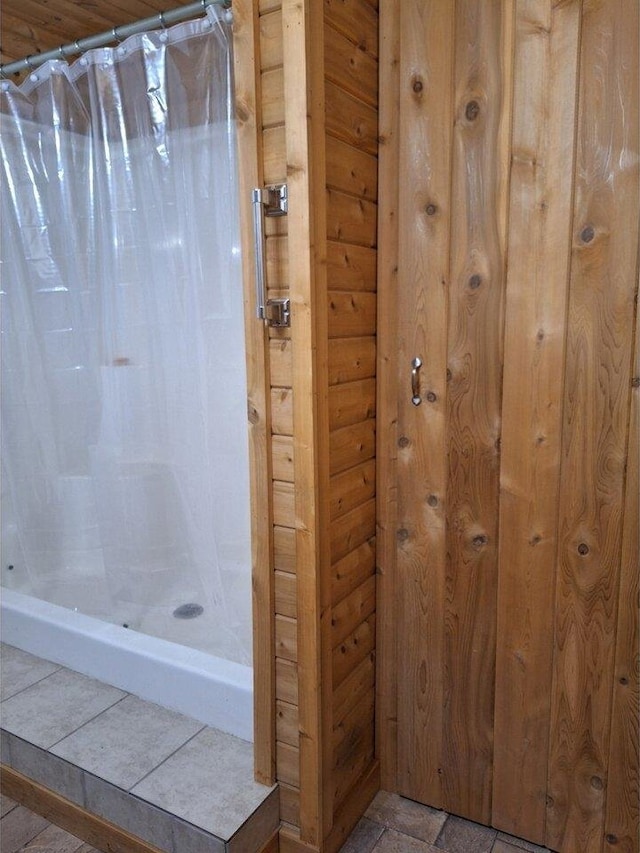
pixel 514 133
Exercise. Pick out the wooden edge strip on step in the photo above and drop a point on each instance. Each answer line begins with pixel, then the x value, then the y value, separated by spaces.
pixel 73 818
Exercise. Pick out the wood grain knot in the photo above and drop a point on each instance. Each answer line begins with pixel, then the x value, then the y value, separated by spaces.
pixel 479 541
pixel 635 382
pixel 611 838
pixel 253 415
pixel 402 534
pixel 243 112
pixel 583 549
pixel 535 540
pixel 587 234
pixel 472 110
pixel 475 281
pixel 431 209
pixel 417 85
pixel 431 397
pixel 403 441
pixel 432 500
pixel 624 680
pixel 597 783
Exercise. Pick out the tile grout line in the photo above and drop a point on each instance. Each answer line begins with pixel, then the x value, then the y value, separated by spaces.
pixel 165 759
pixel 33 684
pixel 86 722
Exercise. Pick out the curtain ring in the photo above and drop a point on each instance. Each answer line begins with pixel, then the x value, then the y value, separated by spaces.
pixel 116 35
pixel 61 52
pixel 29 63
pixel 163 23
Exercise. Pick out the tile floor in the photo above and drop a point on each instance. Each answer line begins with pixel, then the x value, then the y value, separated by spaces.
pixel 66 731
pixel 180 785
pixel 22 831
pixel 393 824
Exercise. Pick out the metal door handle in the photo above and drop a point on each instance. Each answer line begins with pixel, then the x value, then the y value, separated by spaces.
pixel 416 364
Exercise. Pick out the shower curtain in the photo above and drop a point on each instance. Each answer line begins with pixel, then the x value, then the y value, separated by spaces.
pixel 124 447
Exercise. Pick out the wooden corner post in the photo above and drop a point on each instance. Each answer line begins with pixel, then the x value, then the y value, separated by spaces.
pixel 305 151
pixel 248 127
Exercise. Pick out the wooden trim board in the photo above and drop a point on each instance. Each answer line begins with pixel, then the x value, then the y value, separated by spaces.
pixel 248 126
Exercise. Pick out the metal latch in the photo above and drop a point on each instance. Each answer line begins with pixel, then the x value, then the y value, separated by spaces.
pixel 278 313
pixel 270 201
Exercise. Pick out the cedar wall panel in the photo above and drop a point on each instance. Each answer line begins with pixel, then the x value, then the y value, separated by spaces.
pixel 510 547
pixel 280 352
pixel 351 72
pixel 603 285
pixel 331 613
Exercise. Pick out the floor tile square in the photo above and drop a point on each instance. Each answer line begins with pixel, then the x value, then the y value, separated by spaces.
pixel 20 670
pixel 6 805
pixel 19 827
pixel 519 843
pixel 50 710
pixel 461 836
pixel 397 842
pixel 501 846
pixel 208 782
pixel 364 837
pixel 406 816
pixel 127 741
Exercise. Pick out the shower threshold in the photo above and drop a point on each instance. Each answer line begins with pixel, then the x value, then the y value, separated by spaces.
pixel 177 785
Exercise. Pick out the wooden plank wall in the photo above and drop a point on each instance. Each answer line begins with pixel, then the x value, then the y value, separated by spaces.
pixel 248 126
pixel 323 439
pixel 274 163
pixel 513 132
pixel 351 101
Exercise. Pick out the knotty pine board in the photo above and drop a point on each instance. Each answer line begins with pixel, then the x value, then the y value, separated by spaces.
pixel 425 120
pixel 545 80
pixel 601 308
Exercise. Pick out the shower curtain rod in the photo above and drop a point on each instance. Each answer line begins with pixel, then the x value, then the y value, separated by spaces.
pixel 117 34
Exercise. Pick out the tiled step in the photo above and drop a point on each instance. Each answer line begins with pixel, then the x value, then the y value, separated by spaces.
pixel 161 776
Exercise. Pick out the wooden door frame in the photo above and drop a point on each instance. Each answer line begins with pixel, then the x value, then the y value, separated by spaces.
pixel 246 42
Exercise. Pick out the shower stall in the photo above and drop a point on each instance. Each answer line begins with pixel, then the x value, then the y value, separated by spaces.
pixel 125 474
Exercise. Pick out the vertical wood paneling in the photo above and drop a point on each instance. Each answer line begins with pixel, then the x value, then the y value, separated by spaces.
pixel 247 88
pixel 427 32
pixel 596 420
pixel 622 819
pixel 538 108
pixel 539 239
pixel 386 510
pixel 280 374
pixel 473 410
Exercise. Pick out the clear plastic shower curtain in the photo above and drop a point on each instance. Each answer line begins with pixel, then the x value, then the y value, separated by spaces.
pixel 125 470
